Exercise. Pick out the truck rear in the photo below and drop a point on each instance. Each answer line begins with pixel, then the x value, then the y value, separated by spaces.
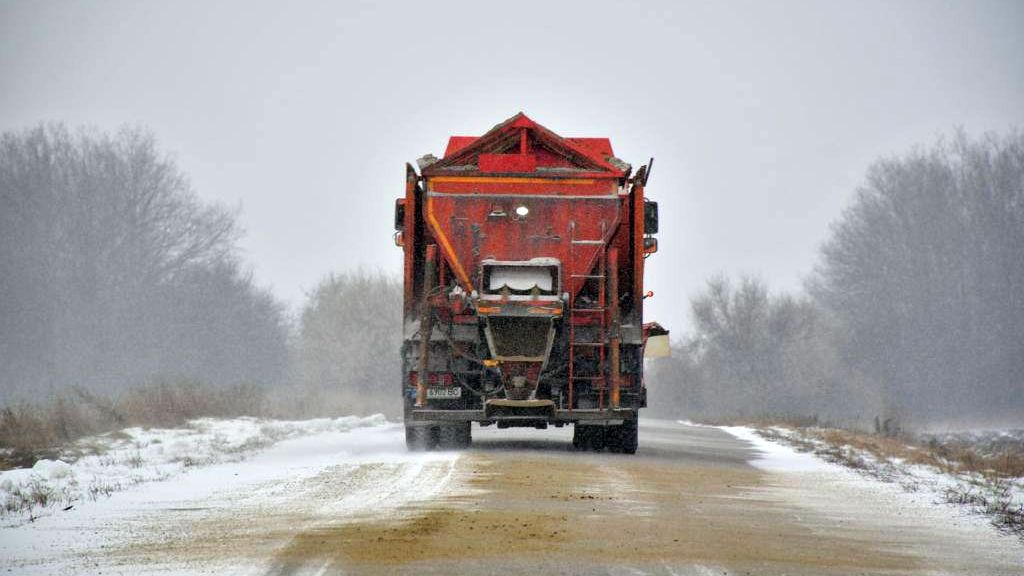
pixel 523 271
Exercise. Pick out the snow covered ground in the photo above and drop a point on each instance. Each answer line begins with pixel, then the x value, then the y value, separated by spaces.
pixel 776 457
pixel 137 455
pixel 243 496
pixel 919 488
pixel 168 487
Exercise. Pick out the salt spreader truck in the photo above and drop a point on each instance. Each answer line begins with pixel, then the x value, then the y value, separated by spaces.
pixel 524 288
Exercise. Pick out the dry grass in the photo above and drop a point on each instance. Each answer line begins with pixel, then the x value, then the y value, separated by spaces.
pixel 31 431
pixel 952 457
pixel 168 405
pixel 995 457
pixel 988 466
pixel 994 500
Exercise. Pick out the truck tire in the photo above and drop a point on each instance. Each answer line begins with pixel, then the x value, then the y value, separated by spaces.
pixel 613 439
pixel 622 438
pixel 629 437
pixel 466 435
pixel 588 437
pixel 455 436
pixel 419 438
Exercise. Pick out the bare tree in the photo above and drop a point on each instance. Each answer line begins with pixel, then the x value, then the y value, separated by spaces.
pixel 349 340
pixel 753 354
pixel 915 311
pixel 104 248
pixel 925 273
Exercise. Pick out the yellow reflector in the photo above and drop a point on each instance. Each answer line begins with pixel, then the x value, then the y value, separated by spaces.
pixel 658 347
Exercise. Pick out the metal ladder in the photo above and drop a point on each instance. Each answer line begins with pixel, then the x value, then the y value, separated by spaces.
pixel 600 311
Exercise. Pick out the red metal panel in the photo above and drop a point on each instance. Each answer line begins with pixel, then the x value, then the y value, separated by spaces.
pixel 472 228
pixel 599 146
pixel 456 143
pixel 516 185
pixel 508 163
pixel 520 134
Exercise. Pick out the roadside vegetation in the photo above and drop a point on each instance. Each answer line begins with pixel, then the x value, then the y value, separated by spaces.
pixel 913 320
pixel 125 302
pixel 30 431
pixel 114 274
pixel 981 470
pixel 96 466
pixel 346 351
pixel 914 315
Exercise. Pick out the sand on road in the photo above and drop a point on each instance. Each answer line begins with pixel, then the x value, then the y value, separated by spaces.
pixel 693 500
pixel 687 503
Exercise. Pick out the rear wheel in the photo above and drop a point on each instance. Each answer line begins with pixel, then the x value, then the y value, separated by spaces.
pixel 455 436
pixel 628 436
pixel 621 438
pixel 466 435
pixel 419 438
pixel 613 439
pixel 588 437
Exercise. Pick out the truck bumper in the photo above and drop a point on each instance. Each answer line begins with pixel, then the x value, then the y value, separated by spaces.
pixel 552 416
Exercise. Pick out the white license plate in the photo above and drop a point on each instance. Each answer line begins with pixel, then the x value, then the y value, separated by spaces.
pixel 444 393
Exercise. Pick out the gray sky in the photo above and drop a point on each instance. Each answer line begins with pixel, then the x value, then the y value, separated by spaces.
pixel 762 116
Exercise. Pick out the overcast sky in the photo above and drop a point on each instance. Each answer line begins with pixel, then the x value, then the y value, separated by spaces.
pixel 762 116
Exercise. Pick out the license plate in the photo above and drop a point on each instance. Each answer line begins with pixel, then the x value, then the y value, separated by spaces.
pixel 444 393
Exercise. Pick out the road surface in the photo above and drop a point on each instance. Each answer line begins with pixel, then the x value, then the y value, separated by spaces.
pixel 521 502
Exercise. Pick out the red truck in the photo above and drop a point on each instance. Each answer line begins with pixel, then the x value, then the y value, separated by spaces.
pixel 523 304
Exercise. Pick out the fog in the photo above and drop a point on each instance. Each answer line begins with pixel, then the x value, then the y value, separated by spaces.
pixel 763 118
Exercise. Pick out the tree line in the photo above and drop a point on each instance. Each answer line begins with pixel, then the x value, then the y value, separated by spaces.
pixel 914 311
pixel 114 275
pixel 117 283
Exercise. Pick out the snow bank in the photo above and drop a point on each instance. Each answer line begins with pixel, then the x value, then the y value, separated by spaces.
pixel 914 486
pixel 771 456
pixel 137 455
pixel 52 469
pixel 775 457
pixel 230 517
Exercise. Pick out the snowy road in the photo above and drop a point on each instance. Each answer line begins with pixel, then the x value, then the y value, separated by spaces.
pixel 232 517
pixel 694 500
